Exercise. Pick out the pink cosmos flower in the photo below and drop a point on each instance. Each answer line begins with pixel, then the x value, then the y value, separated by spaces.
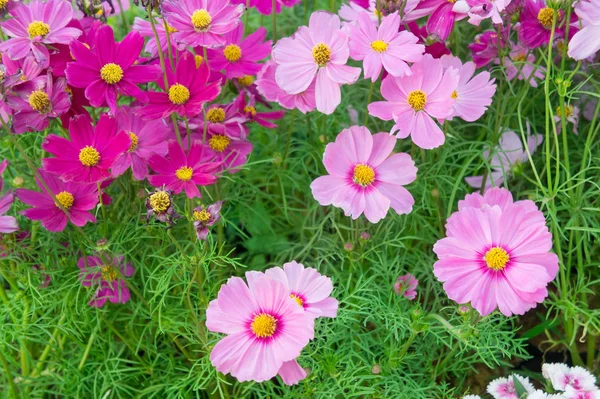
pixel 90 153
pixel 36 25
pixel 384 46
pixel 106 278
pixel 205 217
pixel 478 10
pixel 229 153
pixel 267 86
pixel 484 48
pixel 407 286
pixel 265 7
pixel 20 75
pixel 183 171
pixel 413 101
pixel 473 94
pixel 562 376
pixel 496 254
pixel 433 47
pixel 240 55
pixel 504 388
pixel 221 119
pixel 586 42
pixel 201 22
pixel 319 51
pixel 78 199
pixel 108 69
pixel 265 327
pixel 147 138
pixel 364 177
pixel 442 16
pixel 63 54
pixel 248 109
pixel 536 24
pixel 8 224
pixel 521 64
pixel 35 108
pixel 187 93
pixel 571 115
pixel 144 28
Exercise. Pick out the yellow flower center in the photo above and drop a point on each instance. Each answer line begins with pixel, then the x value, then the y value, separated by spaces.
pixel 89 156
pixel 247 80
pixel 568 111
pixel 109 273
pixel 379 45
pixel 170 29
pixel 160 202
pixel 496 258
pixel 111 73
pixel 545 17
pixel 215 115
pixel 219 143
pixel 364 175
pixel 38 28
pixel 232 52
pixel 178 94
pixel 298 300
pixel 3 4
pixel 199 60
pixel 40 101
pixel 249 109
pixel 201 20
pixel 321 54
pixel 65 199
pixel 184 173
pixel 417 100
pixel 201 216
pixel 134 142
pixel 264 325
pixel 519 58
pixel 454 95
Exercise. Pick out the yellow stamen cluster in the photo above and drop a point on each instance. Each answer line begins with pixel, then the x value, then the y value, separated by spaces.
pixel 321 54
pixel 160 202
pixel 201 20
pixel 545 17
pixel 179 94
pixel 170 29
pixel 134 142
pixel 232 52
pixel 496 258
pixel 454 95
pixel 219 143
pixel 363 175
pixel 298 300
pixel 201 216
pixel 184 173
pixel 379 45
pixel 264 325
pixel 3 4
pixel 89 156
pixel 109 274
pixel 568 111
pixel 417 100
pixel 38 28
pixel 199 60
pixel 519 58
pixel 247 80
pixel 111 73
pixel 215 115
pixel 249 109
pixel 65 199
pixel 40 101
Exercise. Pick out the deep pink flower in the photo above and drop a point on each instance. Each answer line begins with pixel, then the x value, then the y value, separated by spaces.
pixel 144 28
pixel 240 55
pixel 107 69
pixel 364 177
pixel 319 51
pixel 90 153
pixel 384 47
pixel 406 286
pixel 36 25
pixel 525 68
pixel 248 109
pixel 414 101
pixel 536 24
pixel 265 327
pixel 485 47
pixel 205 217
pixel 586 42
pixel 496 254
pixel 77 198
pixel 435 48
pixel 187 93
pixel 8 224
pixel 265 7
pixel 230 153
pixel 63 54
pixel 147 138
pixel 441 17
pixel 107 278
pixel 474 93
pixel 201 22
pixel 183 171
pixel 20 75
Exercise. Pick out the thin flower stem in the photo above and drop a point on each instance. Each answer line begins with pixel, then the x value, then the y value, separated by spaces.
pixel 123 16
pixel 87 351
pixel 369 97
pixel 8 373
pixel 40 363
pixel 289 138
pixel 169 46
pixel 274 16
pixel 104 220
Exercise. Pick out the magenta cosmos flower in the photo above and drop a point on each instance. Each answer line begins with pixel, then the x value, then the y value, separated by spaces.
pixel 536 24
pixel 183 171
pixel 106 277
pixel 496 254
pixel 363 177
pixel 187 93
pixel 229 153
pixel 267 86
pixel 90 153
pixel 442 16
pixel 201 22
pixel 248 109
pixel 147 138
pixel 406 286
pixel 586 42
pixel 205 217
pixel 265 327
pixel 8 224
pixel 474 93
pixel 319 51
pixel 414 101
pixel 35 108
pixel 78 199
pixel 36 25
pixel 384 46
pixel 107 69
pixel 240 55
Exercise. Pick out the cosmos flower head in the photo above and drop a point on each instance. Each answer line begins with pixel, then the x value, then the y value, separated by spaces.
pixel 406 286
pixel 106 274
pixel 205 217
pixel 586 42
pixel 159 204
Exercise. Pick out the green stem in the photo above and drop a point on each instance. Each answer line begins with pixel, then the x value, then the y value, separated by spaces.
pixel 274 16
pixel 87 352
pixel 289 139
pixel 11 383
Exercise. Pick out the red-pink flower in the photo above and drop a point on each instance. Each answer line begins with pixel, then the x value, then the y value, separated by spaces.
pixel 90 153
pixel 107 277
pixel 183 171
pixel 108 69
pixel 77 198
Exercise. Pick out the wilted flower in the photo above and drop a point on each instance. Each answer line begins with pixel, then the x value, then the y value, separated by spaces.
pixel 160 205
pixel 571 113
pixel 205 217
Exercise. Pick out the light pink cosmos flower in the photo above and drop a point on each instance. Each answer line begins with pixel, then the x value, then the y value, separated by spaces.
pixel 265 327
pixel 586 42
pixel 223 119
pixel 240 55
pixel 265 7
pixel 106 278
pixel 319 51
pixel 364 177
pixel 406 286
pixel 267 86
pixel 413 101
pixel 504 388
pixel 144 28
pixel 36 25
pixel 8 224
pixel 384 47
pixel 496 254
pixel 474 93
pixel 562 376
pixel 201 22
pixel 521 65
pixel 205 217
pixel 478 10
